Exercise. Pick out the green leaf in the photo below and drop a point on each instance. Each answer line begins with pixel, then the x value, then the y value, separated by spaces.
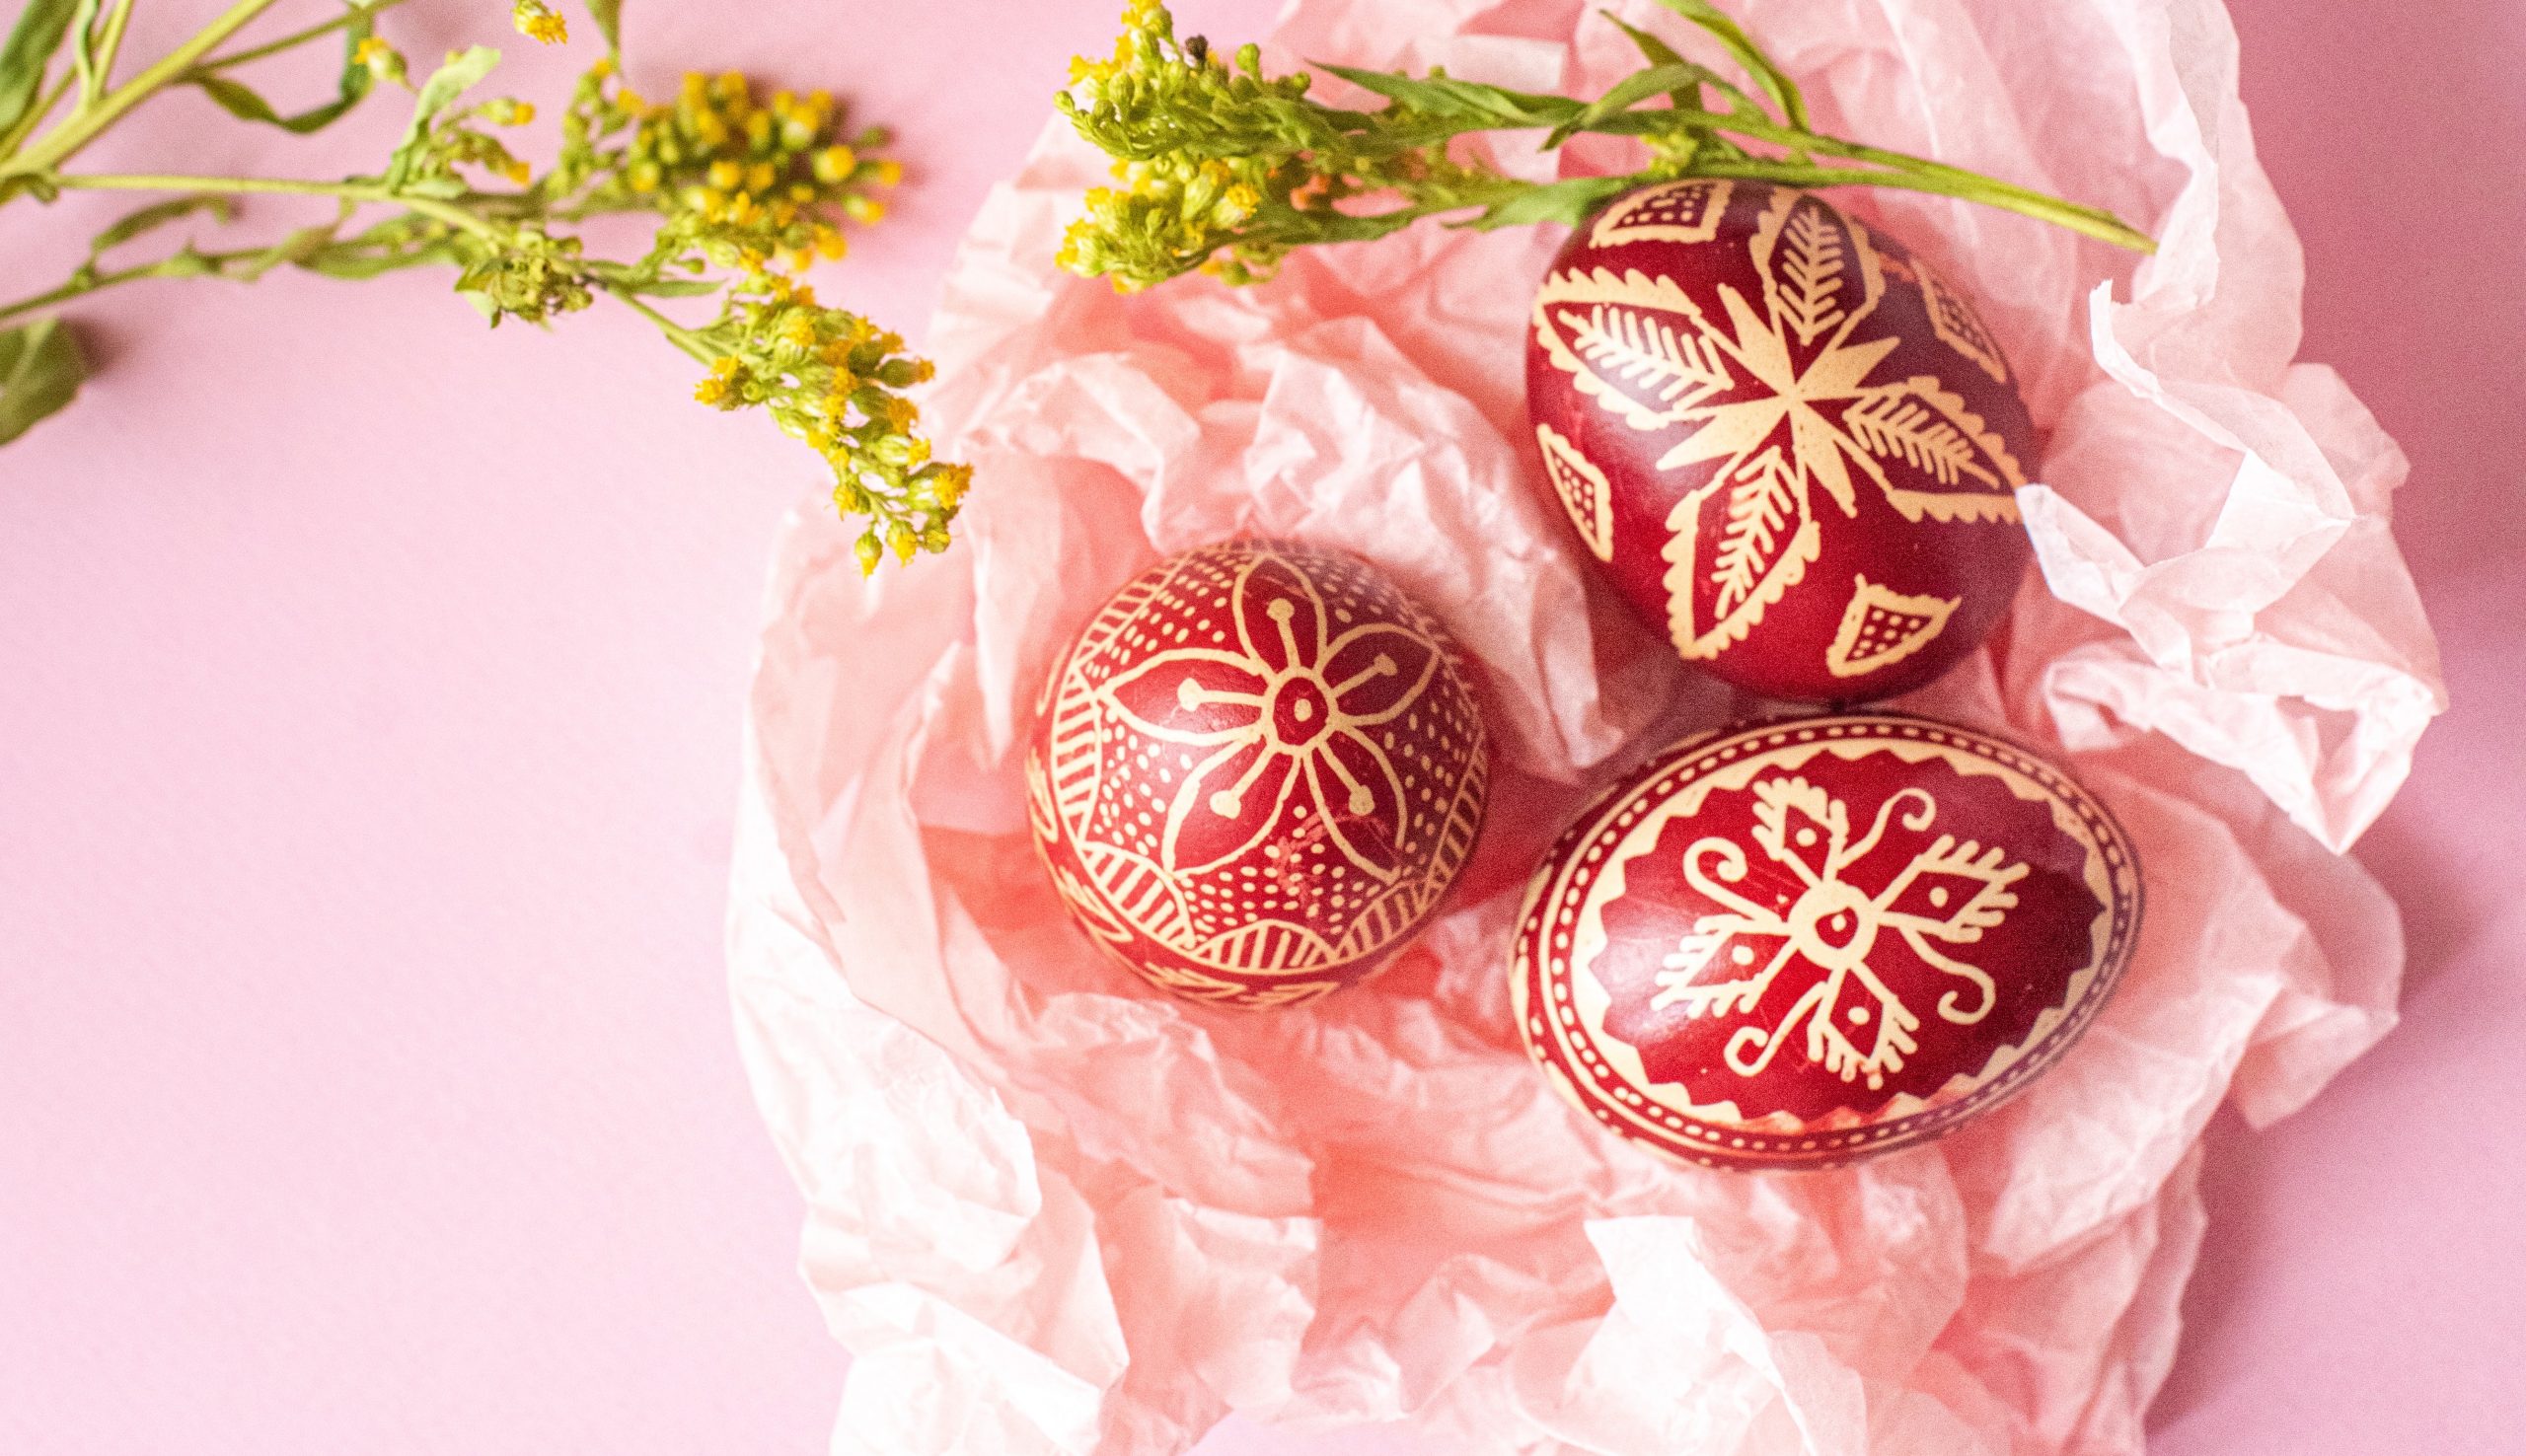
pixel 242 101
pixel 1447 98
pixel 1657 52
pixel 608 14
pixel 1569 200
pixel 1767 74
pixel 437 93
pixel 1631 92
pixel 158 215
pixel 40 368
pixel 28 51
pixel 1660 54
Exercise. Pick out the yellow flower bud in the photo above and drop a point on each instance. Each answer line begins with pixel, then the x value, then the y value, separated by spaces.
pixel 538 22
pixel 869 552
pixel 725 174
pixel 836 162
pixel 383 61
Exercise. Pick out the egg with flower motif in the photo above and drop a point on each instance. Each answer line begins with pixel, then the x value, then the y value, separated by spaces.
pixel 1791 444
pixel 1256 772
pixel 1800 943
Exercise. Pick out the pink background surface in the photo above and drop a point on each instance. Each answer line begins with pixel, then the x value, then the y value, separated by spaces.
pixel 369 701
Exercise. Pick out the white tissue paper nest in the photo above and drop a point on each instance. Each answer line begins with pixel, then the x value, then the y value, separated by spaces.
pixel 1051 1211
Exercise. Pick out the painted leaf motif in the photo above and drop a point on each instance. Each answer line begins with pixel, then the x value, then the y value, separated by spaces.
pixel 1954 891
pixel 1191 695
pixel 1722 968
pixel 1226 804
pixel 1762 502
pixel 1816 270
pixel 1796 822
pixel 1360 799
pixel 1280 620
pixel 1638 344
pixel 1959 469
pixel 1376 672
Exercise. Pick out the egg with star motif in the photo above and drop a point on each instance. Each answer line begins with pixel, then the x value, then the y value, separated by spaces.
pixel 1256 772
pixel 1790 443
pixel 1800 943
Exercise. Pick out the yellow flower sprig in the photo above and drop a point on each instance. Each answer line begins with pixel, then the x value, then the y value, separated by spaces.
pixel 749 191
pixel 1223 169
pixel 836 381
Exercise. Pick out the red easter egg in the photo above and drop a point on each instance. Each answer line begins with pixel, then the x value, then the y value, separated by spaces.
pixel 1256 772
pixel 1790 442
pixel 1800 944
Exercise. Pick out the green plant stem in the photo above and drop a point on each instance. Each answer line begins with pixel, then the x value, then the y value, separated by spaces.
pixel 684 339
pixel 430 207
pixel 1888 168
pixel 84 283
pixel 110 44
pixel 692 343
pixel 1920 174
pixel 345 21
pixel 81 127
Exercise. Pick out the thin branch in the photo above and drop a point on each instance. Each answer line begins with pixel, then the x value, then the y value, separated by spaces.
pixel 83 126
pixel 345 21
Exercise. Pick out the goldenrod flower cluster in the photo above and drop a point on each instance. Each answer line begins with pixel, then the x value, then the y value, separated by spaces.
pixel 776 176
pixel 1226 170
pixel 533 275
pixel 1223 169
pixel 834 380
pixel 1200 145
pixel 746 190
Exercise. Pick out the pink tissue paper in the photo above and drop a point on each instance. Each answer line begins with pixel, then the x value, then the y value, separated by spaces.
pixel 1055 1212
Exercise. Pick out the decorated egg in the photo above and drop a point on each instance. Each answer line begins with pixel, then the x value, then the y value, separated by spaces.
pixel 1256 772
pixel 1790 443
pixel 1804 942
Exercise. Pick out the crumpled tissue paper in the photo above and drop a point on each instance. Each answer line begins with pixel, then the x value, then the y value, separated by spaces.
pixel 1053 1211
